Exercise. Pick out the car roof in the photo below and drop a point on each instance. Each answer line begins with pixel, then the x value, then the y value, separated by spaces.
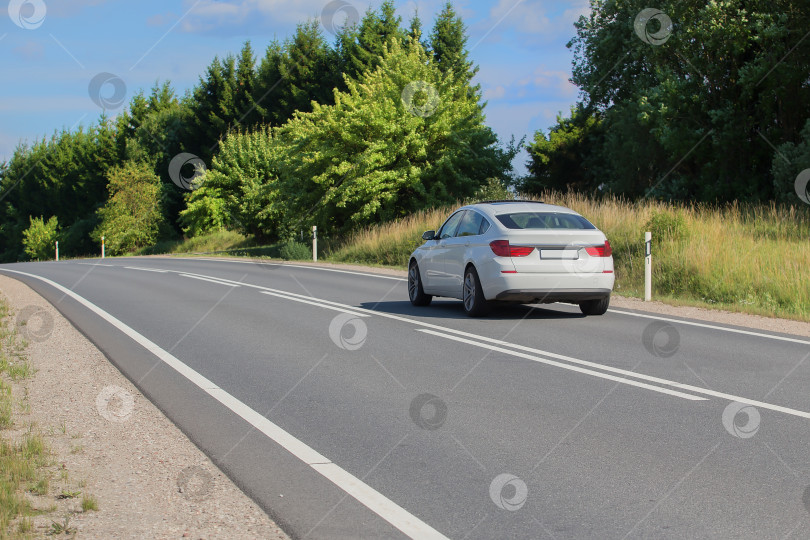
pixel 494 208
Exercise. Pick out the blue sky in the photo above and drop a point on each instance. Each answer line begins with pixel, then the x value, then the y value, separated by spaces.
pixel 50 50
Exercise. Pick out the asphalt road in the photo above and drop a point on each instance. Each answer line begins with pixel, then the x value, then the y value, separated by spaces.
pixel 347 413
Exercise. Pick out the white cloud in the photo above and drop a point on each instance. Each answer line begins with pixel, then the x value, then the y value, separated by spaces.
pixel 246 16
pixel 496 92
pixel 30 50
pixel 533 21
pixel 68 8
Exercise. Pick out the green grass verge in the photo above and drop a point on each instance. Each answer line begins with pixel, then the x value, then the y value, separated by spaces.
pixel 22 463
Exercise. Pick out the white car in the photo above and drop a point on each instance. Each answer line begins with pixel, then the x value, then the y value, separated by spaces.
pixel 513 251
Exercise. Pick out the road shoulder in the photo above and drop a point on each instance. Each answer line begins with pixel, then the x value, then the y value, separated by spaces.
pixel 150 481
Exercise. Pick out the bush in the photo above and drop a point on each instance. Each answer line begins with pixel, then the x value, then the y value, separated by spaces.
pixel 39 238
pixel 667 226
pixel 493 189
pixel 131 217
pixel 295 251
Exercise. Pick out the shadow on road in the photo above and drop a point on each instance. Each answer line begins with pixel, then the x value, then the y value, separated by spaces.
pixel 453 309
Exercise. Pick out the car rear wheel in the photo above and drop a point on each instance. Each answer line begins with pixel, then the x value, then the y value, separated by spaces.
pixel 415 291
pixel 595 307
pixel 473 295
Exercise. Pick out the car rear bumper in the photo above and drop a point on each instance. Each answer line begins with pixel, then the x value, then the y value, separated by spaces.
pixel 544 296
pixel 546 287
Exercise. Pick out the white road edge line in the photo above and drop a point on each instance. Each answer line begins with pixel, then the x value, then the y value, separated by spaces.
pixel 375 501
pixel 565 366
pixel 711 326
pixel 342 310
pixel 210 280
pixel 147 269
pixel 381 276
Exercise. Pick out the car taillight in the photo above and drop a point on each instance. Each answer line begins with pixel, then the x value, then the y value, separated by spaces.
pixel 501 248
pixel 600 251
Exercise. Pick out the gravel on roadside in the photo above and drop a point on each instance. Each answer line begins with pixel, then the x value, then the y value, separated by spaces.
pixel 149 479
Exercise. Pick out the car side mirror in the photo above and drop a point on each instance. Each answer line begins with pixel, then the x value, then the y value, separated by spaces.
pixel 429 235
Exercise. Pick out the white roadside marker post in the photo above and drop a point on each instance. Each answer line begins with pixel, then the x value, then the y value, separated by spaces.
pixel 57 250
pixel 647 266
pixel 314 243
pixel 102 247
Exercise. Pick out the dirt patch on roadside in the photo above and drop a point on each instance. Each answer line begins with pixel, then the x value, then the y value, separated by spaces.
pixel 149 480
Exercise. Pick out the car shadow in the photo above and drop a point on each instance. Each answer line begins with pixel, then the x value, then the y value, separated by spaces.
pixel 453 309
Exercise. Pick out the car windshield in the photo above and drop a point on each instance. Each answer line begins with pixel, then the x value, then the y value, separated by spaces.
pixel 543 220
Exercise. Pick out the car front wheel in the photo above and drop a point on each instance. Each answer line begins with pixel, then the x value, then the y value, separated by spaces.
pixel 415 291
pixel 595 307
pixel 473 295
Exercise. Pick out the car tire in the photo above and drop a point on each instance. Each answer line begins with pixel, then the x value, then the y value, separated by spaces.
pixel 473 295
pixel 415 291
pixel 595 307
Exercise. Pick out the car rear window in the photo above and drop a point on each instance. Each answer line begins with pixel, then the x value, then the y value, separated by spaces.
pixel 543 220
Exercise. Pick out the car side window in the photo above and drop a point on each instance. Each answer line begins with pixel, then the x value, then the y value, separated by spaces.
pixel 470 224
pixel 450 226
pixel 484 226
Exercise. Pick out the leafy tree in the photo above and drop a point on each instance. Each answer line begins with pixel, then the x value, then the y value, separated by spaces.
pixel 63 176
pixel 233 192
pixel 403 136
pixel 40 237
pixel 789 160
pixel 156 137
pixel 131 217
pixel 559 161
pixel 692 117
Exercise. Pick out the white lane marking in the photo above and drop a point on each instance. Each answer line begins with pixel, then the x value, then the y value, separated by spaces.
pixel 315 304
pixel 666 382
pixel 695 389
pixel 210 280
pixel 97 264
pixel 713 327
pixel 147 269
pixel 564 366
pixel 287 265
pixel 378 503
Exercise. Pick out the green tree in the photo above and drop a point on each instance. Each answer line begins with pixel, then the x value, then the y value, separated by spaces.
pixel 448 43
pixel 363 46
pixel 788 161
pixel 213 108
pixel 249 113
pixel 40 237
pixel 306 70
pixel 558 161
pixel 693 117
pixel 63 176
pixel 233 193
pixel 131 217
pixel 404 136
